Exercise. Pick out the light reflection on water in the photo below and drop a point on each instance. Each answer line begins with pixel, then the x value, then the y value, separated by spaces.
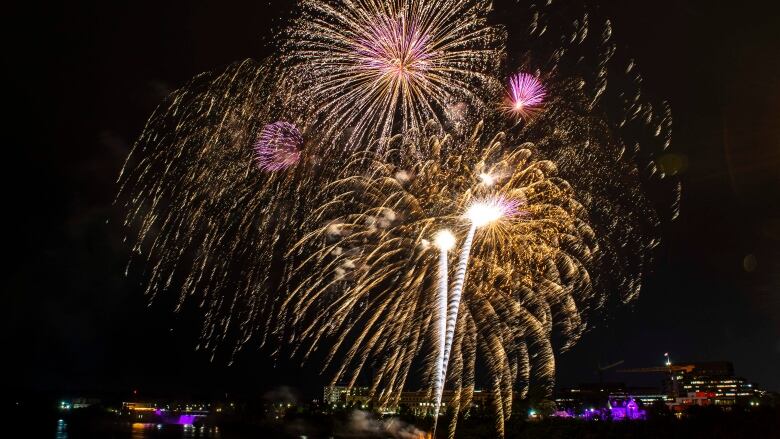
pixel 62 430
pixel 149 431
pixel 145 431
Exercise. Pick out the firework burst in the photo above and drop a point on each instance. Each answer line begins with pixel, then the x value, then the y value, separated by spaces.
pixel 353 223
pixel 525 95
pixel 278 146
pixel 202 225
pixel 373 300
pixel 373 68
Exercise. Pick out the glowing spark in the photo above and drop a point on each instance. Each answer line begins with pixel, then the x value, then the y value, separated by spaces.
pixel 278 146
pixel 526 94
pixel 487 179
pixel 484 212
pixel 445 240
pixel 396 51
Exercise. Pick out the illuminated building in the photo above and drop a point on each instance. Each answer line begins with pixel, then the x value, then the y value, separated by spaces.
pixel 158 413
pixel 585 396
pixel 621 409
pixel 724 390
pixel 614 401
pixel 690 383
pixel 343 396
pixel 418 403
pixel 588 395
pixel 77 403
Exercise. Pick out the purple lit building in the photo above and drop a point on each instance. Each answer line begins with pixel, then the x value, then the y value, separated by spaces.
pixel 617 409
pixel 165 413
pixel 605 401
pixel 625 408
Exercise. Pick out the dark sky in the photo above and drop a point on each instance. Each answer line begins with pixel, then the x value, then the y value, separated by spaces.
pixel 82 78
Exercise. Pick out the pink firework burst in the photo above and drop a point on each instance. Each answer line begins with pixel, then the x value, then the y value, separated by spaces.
pixel 526 94
pixel 395 50
pixel 278 147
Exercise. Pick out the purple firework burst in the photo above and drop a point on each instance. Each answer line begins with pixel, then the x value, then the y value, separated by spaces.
pixel 278 146
pixel 396 51
pixel 526 94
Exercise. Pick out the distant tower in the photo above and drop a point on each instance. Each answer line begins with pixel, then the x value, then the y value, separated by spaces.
pixel 674 384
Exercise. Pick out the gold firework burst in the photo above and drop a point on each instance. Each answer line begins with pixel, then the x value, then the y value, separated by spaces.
pixel 365 276
pixel 195 197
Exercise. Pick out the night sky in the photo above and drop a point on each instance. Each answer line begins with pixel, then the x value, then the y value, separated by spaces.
pixel 83 77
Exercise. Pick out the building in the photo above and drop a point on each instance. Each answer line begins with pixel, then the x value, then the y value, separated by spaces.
pixel 421 403
pixel 614 401
pixel 344 396
pixel 586 395
pixel 165 413
pixel 725 390
pixel 700 399
pixel 418 403
pixel 78 403
pixel 690 383
pixel 591 395
pixel 622 409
